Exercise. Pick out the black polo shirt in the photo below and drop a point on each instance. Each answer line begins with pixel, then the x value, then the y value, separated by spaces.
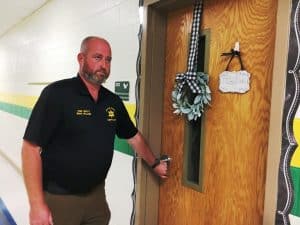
pixel 76 133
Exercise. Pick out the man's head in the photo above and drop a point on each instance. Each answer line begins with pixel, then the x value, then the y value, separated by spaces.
pixel 94 60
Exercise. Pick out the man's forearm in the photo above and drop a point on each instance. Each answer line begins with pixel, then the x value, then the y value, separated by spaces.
pixel 142 149
pixel 32 172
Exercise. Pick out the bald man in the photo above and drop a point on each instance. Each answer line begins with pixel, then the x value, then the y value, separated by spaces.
pixel 68 143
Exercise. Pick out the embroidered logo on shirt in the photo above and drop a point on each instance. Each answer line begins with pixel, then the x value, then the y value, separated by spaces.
pixel 111 114
pixel 83 112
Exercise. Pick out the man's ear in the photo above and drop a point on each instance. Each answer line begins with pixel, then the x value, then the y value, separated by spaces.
pixel 80 58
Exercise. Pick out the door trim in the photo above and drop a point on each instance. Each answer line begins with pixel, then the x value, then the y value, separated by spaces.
pixel 276 113
pixel 151 104
pixel 151 107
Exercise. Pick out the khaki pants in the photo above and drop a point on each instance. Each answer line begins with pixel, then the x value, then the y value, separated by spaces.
pixel 87 209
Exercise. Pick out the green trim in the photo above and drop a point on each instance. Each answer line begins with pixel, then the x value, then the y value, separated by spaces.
pixel 24 112
pixel 16 110
pixel 295 172
pixel 121 145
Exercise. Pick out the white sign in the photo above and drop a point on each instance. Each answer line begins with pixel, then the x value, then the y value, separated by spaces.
pixel 234 81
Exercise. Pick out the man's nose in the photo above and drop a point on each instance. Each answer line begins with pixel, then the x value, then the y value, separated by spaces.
pixel 103 64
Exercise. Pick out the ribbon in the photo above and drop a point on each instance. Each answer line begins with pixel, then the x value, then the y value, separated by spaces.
pixel 190 77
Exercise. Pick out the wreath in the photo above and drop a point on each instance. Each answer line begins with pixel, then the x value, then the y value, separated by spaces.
pixel 191 92
pixel 189 103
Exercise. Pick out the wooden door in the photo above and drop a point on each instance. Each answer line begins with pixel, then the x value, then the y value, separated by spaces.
pixel 235 126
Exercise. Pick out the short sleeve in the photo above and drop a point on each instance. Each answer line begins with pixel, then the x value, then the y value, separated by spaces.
pixel 44 118
pixel 125 127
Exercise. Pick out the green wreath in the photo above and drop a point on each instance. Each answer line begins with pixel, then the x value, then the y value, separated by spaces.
pixel 192 105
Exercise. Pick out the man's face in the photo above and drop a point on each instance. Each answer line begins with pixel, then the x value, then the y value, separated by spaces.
pixel 96 62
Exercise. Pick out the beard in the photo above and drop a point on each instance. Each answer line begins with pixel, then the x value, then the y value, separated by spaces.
pixel 97 78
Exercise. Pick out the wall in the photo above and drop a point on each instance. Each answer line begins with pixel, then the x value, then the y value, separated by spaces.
pixel 295 172
pixel 43 48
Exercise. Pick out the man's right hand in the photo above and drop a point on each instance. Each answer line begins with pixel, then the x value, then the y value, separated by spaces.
pixel 40 215
pixel 161 170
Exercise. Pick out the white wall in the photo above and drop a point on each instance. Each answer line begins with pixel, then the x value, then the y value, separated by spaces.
pixel 44 47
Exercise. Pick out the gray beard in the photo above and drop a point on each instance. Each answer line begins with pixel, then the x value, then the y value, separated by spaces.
pixel 94 79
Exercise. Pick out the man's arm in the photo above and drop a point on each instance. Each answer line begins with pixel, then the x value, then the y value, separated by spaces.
pixel 139 144
pixel 32 172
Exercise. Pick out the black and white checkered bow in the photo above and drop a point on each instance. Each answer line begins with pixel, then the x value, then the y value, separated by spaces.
pixel 190 77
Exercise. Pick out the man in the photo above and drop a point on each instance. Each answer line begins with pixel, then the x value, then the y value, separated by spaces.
pixel 68 143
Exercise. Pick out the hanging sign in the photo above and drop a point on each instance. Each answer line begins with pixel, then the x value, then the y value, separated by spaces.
pixel 122 89
pixel 234 81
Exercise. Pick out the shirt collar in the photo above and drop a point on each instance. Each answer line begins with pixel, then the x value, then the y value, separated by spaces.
pixel 82 88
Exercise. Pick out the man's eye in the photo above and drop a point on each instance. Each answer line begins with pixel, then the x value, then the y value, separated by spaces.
pixel 98 58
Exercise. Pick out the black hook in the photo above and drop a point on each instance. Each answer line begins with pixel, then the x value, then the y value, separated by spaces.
pixel 233 53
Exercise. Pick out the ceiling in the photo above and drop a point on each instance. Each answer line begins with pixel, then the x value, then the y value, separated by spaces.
pixel 13 12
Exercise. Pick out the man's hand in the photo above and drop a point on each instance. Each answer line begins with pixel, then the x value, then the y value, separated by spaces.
pixel 40 215
pixel 161 170
pixel 139 144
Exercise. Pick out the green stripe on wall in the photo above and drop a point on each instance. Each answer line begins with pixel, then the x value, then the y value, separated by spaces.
pixel 24 112
pixel 295 172
pixel 121 145
pixel 16 110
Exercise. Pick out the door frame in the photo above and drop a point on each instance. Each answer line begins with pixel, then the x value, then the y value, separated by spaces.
pixel 151 105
